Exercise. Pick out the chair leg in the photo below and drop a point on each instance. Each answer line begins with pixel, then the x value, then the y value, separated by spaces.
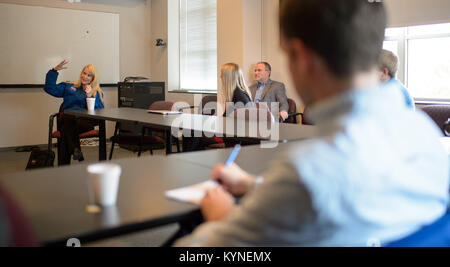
pixel 141 142
pixel 177 141
pixel 58 150
pixel 112 149
pixel 116 129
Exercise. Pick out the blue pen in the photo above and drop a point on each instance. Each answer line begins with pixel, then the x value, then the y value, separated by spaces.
pixel 233 155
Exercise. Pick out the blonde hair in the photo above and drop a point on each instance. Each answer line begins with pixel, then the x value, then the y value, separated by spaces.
pixel 94 83
pixel 389 61
pixel 232 79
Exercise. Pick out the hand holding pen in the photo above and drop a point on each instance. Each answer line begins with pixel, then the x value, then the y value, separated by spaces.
pixel 218 203
pixel 231 177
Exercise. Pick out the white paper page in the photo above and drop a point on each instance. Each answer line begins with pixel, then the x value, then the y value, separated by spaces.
pixel 193 194
pixel 164 112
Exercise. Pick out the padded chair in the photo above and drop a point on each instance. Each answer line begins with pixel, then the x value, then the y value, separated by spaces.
pixel 19 232
pixel 208 106
pixel 447 127
pixel 259 113
pixel 438 113
pixel 292 112
pixel 436 234
pixel 57 134
pixel 305 118
pixel 143 138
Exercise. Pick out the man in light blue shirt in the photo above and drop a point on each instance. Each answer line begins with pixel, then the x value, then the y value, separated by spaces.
pixel 375 173
pixel 259 90
pixel 388 66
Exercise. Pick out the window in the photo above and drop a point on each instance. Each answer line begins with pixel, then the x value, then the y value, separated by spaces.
pixel 424 60
pixel 198 45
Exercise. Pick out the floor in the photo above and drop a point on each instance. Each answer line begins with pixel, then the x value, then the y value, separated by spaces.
pixel 12 161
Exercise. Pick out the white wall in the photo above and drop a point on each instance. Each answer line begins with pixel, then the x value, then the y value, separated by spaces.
pixel 25 112
pixel 248 33
pixel 417 12
pixel 271 50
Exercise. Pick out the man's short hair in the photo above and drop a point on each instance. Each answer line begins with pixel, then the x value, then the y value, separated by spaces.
pixel 389 61
pixel 347 34
pixel 267 65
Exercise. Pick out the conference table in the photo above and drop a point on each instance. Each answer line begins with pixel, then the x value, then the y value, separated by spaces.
pixel 195 125
pixel 253 158
pixel 54 200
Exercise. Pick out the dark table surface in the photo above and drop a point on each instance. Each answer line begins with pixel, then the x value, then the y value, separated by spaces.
pixel 254 159
pixel 55 199
pixel 202 123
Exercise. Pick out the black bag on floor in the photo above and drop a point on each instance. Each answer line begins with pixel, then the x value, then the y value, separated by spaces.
pixel 43 158
pixel 40 159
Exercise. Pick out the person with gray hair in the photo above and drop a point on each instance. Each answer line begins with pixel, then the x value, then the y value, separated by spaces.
pixel 268 91
pixel 388 66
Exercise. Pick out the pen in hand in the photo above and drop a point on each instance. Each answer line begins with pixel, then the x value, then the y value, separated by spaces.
pixel 233 155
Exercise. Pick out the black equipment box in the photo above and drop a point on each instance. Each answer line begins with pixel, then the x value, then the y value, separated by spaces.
pixel 140 94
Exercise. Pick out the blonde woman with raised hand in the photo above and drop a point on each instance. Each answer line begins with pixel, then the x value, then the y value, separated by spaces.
pixel 74 95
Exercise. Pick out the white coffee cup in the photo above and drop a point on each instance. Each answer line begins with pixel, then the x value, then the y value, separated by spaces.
pixel 90 102
pixel 103 183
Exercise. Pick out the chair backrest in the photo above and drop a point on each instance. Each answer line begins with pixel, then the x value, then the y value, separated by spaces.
pixel 253 114
pixel 438 113
pixel 59 118
pixel 292 110
pixel 447 127
pixel 208 106
pixel 162 105
pixel 305 118
pixel 15 229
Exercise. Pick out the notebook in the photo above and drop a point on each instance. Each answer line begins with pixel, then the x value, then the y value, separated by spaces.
pixel 164 112
pixel 192 194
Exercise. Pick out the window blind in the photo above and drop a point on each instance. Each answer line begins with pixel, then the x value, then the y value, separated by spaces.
pixel 198 45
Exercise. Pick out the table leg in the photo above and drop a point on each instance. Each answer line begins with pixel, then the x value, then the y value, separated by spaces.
pixel 187 225
pixel 168 142
pixel 102 141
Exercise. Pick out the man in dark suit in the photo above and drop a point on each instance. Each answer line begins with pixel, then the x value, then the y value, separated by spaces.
pixel 266 90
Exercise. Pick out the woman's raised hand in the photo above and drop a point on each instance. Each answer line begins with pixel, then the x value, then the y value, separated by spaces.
pixel 61 66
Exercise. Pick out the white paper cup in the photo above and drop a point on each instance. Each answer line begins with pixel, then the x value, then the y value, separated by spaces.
pixel 103 183
pixel 90 102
